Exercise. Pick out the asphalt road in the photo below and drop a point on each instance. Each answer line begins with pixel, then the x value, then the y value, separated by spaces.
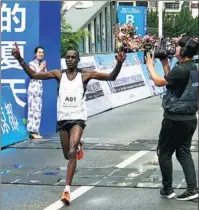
pixel 119 171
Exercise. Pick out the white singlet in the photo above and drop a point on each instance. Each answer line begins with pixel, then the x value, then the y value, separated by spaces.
pixel 71 104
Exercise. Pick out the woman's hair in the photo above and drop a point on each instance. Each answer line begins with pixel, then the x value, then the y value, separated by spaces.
pixel 36 49
pixel 189 45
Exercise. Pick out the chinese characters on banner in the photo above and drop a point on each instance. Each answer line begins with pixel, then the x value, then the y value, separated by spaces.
pixel 8 119
pixel 13 21
pixel 20 24
pixel 8 61
pixel 12 127
pixel 10 15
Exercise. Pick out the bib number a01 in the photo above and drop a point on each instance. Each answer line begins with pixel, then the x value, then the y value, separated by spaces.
pixel 70 102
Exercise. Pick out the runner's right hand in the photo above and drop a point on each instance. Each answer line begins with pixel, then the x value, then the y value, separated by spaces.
pixel 16 52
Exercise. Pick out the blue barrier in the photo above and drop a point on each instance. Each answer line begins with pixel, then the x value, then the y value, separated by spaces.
pixel 12 126
pixel 148 78
pixel 159 69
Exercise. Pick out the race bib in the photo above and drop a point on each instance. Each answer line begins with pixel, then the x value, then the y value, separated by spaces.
pixel 70 102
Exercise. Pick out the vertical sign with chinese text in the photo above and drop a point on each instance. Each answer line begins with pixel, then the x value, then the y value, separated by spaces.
pixel 18 23
pixel 30 24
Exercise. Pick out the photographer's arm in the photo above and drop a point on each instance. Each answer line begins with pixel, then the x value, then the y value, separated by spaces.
pixel 159 81
pixel 166 66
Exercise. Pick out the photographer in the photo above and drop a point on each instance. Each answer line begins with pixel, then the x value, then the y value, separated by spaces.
pixel 180 121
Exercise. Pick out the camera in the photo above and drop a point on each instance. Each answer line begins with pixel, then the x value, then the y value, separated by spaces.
pixel 123 49
pixel 164 50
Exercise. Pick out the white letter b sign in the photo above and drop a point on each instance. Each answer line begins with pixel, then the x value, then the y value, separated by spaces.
pixel 130 19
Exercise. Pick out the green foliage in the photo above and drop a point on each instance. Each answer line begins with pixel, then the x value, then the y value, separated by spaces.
pixel 175 24
pixel 70 39
pixel 152 18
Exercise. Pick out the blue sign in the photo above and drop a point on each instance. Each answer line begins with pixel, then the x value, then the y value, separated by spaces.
pixel 137 16
pixel 146 74
pixel 30 26
pixel 12 126
pixel 134 58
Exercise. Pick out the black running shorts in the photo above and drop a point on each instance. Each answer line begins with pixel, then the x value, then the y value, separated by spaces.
pixel 68 124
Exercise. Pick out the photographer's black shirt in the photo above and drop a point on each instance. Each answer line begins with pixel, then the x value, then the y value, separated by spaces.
pixel 178 78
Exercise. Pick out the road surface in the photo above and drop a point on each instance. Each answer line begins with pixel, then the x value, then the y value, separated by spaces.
pixel 119 171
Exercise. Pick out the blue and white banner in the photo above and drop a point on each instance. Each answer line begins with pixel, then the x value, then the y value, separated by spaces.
pixel 20 24
pixel 134 15
pixel 12 125
pixel 155 90
pixel 130 84
pixel 97 92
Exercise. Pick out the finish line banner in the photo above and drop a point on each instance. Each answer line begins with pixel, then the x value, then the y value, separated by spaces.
pixel 28 25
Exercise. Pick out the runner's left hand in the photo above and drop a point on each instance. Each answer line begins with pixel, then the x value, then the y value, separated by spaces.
pixel 121 56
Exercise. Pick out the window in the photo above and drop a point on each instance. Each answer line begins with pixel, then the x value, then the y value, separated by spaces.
pixel 92 37
pixel 194 5
pixel 109 34
pixel 98 35
pixel 172 6
pixel 125 3
pixel 87 45
pixel 142 3
pixel 103 30
pixel 153 4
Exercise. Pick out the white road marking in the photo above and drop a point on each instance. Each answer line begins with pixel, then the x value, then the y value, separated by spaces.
pixel 181 183
pixel 82 190
pixel 94 146
pixel 15 181
pixel 132 159
pixel 75 194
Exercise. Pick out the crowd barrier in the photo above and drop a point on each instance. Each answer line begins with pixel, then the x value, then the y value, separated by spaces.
pixel 132 84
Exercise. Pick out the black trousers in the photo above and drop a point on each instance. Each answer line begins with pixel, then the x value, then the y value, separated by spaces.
pixel 176 136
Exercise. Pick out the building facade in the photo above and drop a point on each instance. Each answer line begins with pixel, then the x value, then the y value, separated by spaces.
pixel 194 6
pixel 169 6
pixel 100 19
pixel 102 29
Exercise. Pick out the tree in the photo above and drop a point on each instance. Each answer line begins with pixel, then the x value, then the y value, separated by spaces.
pixel 175 24
pixel 70 39
pixel 152 18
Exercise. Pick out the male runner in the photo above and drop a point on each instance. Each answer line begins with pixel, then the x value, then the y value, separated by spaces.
pixel 71 107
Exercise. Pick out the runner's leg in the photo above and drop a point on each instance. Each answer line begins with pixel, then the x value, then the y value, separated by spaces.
pixel 74 141
pixel 64 138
